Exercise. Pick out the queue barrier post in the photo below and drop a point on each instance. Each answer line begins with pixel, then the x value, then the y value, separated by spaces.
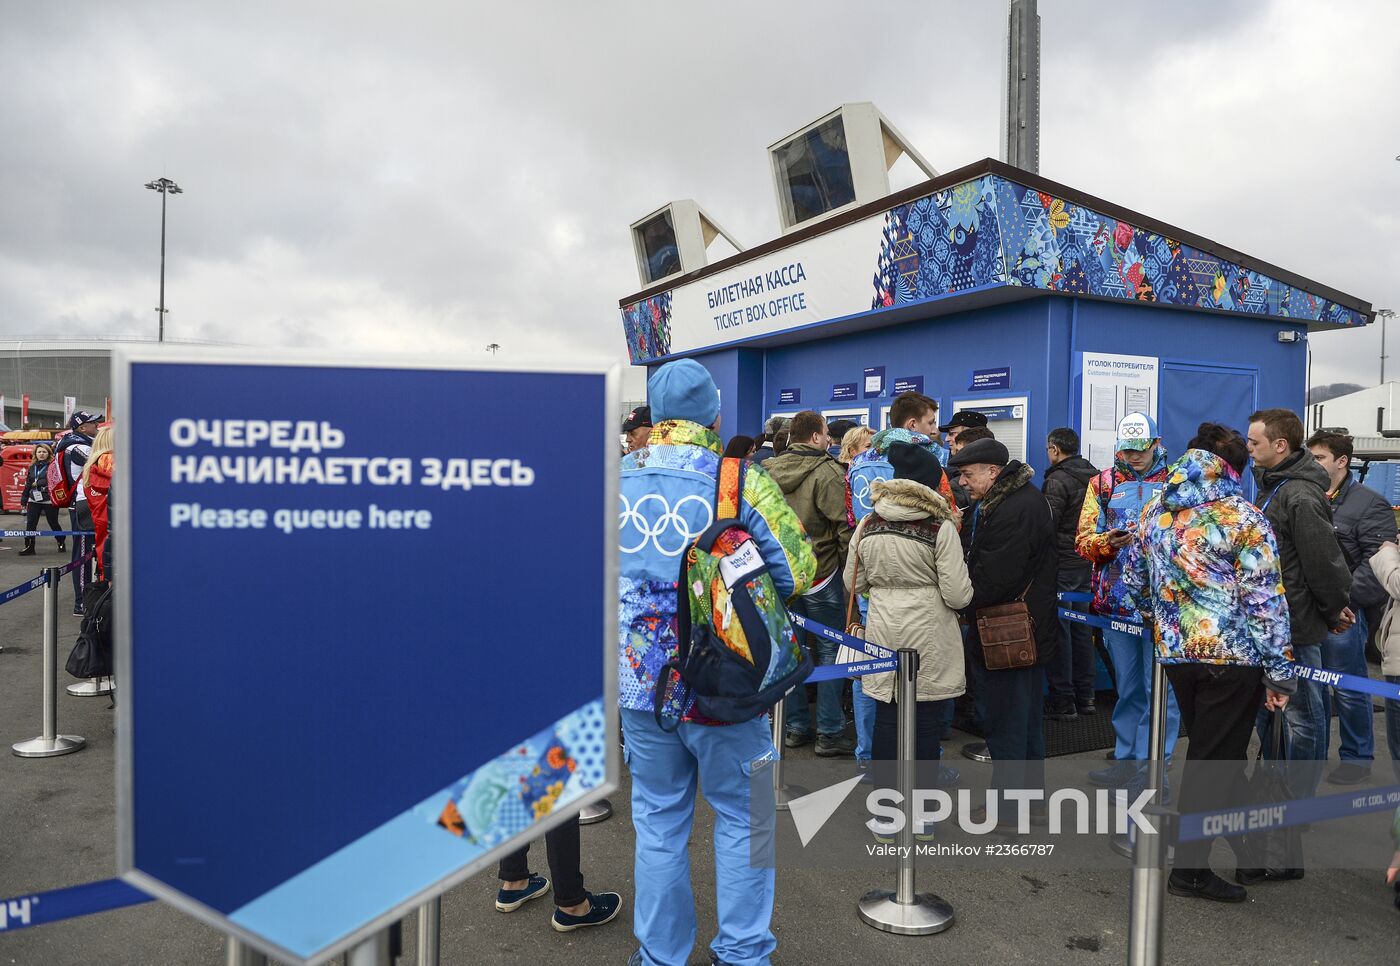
pixel 783 793
pixel 238 954
pixel 1150 852
pixel 430 932
pixel 50 743
pixel 905 911
pixel 599 811
pixel 373 951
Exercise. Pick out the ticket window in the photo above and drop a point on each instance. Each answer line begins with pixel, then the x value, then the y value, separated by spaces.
pixel 861 417
pixel 1006 418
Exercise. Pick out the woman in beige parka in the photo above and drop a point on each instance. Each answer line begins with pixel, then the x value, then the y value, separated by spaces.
pixel 907 556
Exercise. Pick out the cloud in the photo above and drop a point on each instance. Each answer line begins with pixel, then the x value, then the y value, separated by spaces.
pixel 437 176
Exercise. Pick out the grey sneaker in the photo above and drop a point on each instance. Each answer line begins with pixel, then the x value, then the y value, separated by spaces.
pixel 835 746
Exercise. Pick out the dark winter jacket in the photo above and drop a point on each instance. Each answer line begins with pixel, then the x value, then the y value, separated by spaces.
pixel 1362 521
pixel 1064 488
pixel 814 485
pixel 1011 546
pixel 1316 578
pixel 36 480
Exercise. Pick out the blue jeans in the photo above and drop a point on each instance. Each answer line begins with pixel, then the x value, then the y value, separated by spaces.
pixel 1132 715
pixel 1346 652
pixel 665 769
pixel 827 606
pixel 1392 727
pixel 1305 728
pixel 864 706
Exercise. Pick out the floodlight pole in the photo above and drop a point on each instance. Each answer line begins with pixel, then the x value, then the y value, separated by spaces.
pixel 165 186
pixel 1385 315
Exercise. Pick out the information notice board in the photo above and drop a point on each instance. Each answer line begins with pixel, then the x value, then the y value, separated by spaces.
pixel 1111 387
pixel 366 631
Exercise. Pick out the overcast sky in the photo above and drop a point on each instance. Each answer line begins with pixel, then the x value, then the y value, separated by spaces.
pixel 443 175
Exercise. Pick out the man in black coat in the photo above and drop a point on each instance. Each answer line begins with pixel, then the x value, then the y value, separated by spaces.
pixel 1363 522
pixel 1071 674
pixel 1011 556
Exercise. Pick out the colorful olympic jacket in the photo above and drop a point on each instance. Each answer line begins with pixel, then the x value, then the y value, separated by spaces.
pixel 873 465
pixel 1114 501
pixel 668 492
pixel 1205 572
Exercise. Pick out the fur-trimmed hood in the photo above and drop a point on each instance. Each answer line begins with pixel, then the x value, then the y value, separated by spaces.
pixel 1015 476
pixel 909 500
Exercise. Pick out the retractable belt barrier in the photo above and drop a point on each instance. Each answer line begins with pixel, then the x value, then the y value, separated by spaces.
pixel 68 568
pixel 1196 826
pixel 880 658
pixel 37 582
pixel 23 589
pixel 40 908
pixel 46 533
pixel 1335 679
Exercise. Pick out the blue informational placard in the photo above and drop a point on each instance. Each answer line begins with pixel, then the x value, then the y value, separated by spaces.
pixel 991 379
pixel 789 397
pixel 874 377
pixel 908 384
pixel 366 632
pixel 845 391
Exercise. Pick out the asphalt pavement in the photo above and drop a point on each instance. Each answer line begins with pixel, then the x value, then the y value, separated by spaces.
pixel 56 829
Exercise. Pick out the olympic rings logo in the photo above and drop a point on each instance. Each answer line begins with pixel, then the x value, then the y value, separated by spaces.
pixel 670 533
pixel 861 493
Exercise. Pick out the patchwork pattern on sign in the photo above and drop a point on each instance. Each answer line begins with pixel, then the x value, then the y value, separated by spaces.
pixel 944 243
pixel 991 231
pixel 648 327
pixel 510 793
pixel 1059 246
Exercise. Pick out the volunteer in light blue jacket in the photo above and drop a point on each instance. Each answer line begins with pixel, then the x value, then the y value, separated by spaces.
pixel 667 500
pixel 1108 522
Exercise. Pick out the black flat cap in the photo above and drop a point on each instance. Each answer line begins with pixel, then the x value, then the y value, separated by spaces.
pixel 966 418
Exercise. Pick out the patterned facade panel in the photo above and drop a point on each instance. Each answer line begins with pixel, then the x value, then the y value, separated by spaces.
pixel 983 233
pixel 939 245
pixel 1057 245
pixel 647 325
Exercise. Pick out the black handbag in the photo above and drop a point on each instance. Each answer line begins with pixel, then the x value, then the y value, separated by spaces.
pixel 1273 848
pixel 91 656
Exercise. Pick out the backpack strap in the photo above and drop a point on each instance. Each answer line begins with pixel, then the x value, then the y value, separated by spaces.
pixel 729 487
pixel 729 495
pixel 1107 483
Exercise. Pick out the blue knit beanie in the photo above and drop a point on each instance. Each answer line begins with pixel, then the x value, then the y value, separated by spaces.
pixel 683 390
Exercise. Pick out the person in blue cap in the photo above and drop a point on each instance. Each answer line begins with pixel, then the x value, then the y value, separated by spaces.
pixel 667 491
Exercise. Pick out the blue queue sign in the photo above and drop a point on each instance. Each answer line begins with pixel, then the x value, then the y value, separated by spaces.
pixel 366 631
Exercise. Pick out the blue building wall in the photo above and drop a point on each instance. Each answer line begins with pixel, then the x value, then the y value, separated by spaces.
pixel 1214 366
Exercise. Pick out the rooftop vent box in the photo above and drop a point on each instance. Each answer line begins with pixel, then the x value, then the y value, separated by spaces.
pixel 838 162
pixel 678 238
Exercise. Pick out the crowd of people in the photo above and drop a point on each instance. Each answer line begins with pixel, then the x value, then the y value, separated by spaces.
pixel 83 456
pixel 931 536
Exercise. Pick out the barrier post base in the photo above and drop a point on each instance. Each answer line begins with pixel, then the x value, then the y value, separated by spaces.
pixel 926 915
pixel 976 751
pixel 91 688
pixel 783 795
pixel 48 747
pixel 599 811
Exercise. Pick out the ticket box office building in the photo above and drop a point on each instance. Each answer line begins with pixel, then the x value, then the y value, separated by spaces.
pixel 995 289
